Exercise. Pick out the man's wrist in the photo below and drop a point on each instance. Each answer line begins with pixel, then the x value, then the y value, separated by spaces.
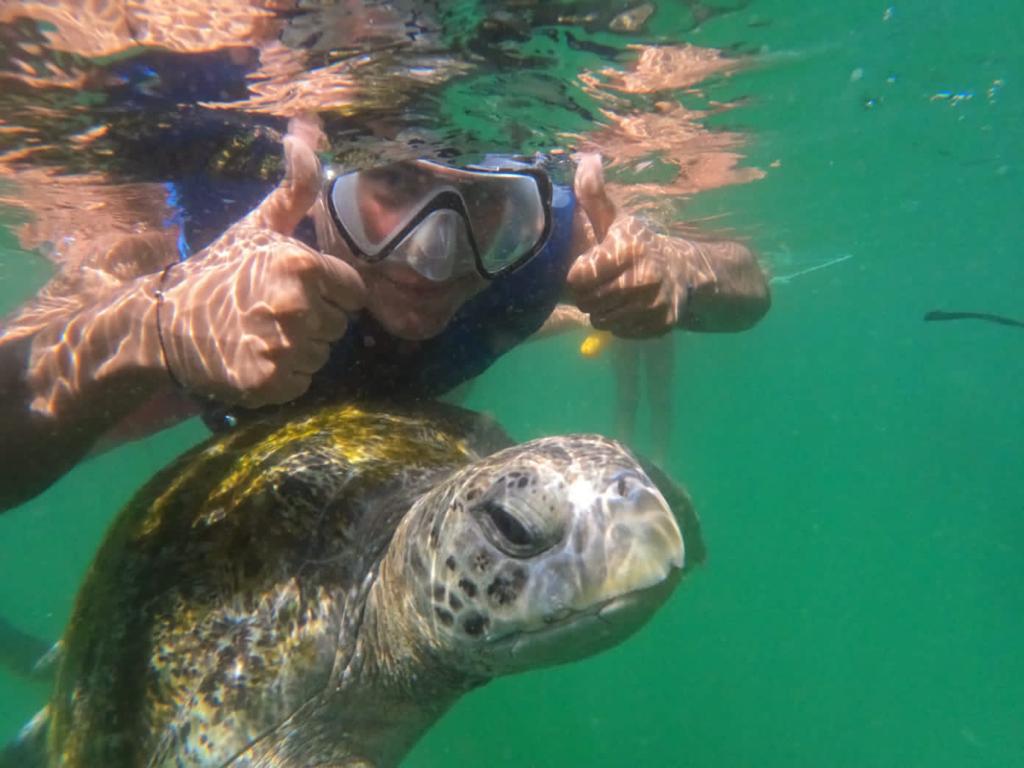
pixel 729 290
pixel 136 317
pixel 696 280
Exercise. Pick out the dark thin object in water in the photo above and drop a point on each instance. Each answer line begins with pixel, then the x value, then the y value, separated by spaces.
pixel 937 314
pixel 20 652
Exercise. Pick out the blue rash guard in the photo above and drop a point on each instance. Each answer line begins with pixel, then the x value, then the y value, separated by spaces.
pixel 368 362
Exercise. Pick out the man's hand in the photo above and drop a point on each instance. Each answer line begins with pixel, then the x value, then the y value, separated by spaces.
pixel 250 319
pixel 634 282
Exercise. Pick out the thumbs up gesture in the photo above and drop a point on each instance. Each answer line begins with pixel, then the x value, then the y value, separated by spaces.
pixel 250 319
pixel 634 282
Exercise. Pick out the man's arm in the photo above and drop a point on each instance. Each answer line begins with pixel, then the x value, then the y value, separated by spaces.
pixel 55 402
pixel 73 359
pixel 247 321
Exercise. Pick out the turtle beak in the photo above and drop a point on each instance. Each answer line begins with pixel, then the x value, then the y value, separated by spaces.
pixel 642 542
pixel 645 555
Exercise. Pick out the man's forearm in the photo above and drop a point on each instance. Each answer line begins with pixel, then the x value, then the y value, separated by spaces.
pixel 62 388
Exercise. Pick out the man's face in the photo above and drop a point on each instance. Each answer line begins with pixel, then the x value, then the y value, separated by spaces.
pixel 407 304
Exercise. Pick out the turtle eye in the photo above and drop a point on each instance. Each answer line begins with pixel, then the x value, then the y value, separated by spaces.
pixel 508 532
pixel 513 530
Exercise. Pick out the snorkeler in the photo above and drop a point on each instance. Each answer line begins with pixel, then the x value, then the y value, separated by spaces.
pixel 422 277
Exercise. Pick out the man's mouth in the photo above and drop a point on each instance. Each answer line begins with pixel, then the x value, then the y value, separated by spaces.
pixel 410 281
pixel 411 286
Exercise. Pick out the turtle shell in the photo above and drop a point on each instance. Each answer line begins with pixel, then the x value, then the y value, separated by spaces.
pixel 229 589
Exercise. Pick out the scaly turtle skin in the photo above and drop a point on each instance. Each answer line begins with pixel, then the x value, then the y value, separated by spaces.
pixel 318 590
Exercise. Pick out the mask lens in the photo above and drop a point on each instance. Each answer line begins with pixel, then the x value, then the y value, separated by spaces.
pixel 438 248
pixel 373 206
pixel 508 218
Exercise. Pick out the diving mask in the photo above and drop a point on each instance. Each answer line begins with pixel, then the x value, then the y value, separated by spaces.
pixel 443 222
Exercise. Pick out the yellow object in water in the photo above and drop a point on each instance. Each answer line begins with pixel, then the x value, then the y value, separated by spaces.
pixel 595 343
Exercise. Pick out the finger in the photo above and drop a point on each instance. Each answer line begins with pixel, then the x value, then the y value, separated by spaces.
pixel 327 277
pixel 294 385
pixel 624 277
pixel 597 300
pixel 617 295
pixel 283 389
pixel 283 209
pixel 339 284
pixel 295 352
pixel 629 315
pixel 595 268
pixel 592 195
pixel 312 319
pixel 331 321
pixel 634 322
pixel 651 330
pixel 309 357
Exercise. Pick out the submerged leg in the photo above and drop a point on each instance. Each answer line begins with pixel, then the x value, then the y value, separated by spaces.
pixel 626 363
pixel 659 362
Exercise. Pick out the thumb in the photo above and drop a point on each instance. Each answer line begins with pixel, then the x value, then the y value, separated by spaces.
pixel 283 209
pixel 592 195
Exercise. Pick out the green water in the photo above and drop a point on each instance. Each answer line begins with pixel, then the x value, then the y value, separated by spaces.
pixel 858 471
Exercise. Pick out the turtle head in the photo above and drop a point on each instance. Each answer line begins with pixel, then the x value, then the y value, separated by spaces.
pixel 540 554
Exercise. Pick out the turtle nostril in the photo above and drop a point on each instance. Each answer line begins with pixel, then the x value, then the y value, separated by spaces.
pixel 636 494
pixel 645 501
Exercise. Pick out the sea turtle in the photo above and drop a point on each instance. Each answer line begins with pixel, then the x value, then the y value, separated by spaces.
pixel 316 589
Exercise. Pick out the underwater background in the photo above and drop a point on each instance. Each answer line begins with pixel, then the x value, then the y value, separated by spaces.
pixel 858 471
